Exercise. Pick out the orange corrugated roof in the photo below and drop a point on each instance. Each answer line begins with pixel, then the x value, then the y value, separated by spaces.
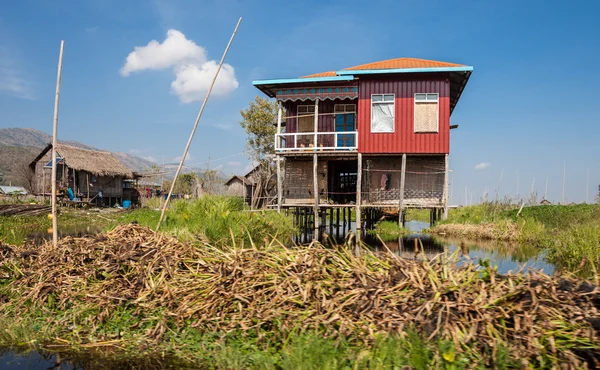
pixel 398 63
pixel 322 74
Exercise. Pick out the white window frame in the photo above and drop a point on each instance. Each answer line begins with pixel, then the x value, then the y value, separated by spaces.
pixel 429 98
pixel 393 111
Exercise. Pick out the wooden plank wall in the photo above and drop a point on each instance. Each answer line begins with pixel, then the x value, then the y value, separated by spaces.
pixel 298 181
pixel 424 181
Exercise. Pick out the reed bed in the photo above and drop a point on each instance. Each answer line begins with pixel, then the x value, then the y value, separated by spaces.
pixel 159 287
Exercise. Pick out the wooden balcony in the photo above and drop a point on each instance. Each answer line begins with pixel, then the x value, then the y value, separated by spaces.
pixel 344 141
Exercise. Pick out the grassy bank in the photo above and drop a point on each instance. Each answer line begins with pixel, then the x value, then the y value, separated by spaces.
pixel 208 219
pixel 137 294
pixel 215 219
pixel 569 234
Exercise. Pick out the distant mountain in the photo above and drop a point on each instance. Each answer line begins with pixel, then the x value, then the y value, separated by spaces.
pixel 31 137
pixel 21 145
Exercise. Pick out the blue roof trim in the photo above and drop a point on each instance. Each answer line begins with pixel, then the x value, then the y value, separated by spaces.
pixel 302 80
pixel 405 70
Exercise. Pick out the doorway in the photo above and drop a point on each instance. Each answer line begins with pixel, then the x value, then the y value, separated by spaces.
pixel 342 178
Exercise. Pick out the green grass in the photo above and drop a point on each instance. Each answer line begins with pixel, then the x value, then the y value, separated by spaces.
pixel 388 229
pixel 413 214
pixel 215 219
pixel 570 234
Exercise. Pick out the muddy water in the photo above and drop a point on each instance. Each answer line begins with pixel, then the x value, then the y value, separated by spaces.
pixel 506 257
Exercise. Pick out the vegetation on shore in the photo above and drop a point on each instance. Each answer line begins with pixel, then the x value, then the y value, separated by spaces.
pixel 569 234
pixel 245 304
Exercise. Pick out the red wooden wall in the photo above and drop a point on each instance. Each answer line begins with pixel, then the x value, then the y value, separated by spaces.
pixel 404 139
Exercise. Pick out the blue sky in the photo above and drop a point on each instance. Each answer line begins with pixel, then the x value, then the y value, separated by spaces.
pixel 531 103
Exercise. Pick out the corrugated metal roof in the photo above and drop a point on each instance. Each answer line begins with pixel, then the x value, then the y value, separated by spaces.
pixel 5 189
pixel 321 74
pixel 401 63
pixel 397 63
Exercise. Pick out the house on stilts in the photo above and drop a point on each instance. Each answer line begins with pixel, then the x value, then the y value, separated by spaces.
pixel 365 139
pixel 88 173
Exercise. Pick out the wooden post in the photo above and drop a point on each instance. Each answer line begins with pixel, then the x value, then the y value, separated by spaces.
pixel 358 198
pixel 316 196
pixel 445 194
pixel 87 180
pixel 402 178
pixel 316 126
pixel 74 180
pixel 187 147
pixel 278 158
pixel 54 141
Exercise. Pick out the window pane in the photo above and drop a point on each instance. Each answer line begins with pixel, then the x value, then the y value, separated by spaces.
pixel 420 97
pixel 377 98
pixel 388 97
pixel 382 117
pixel 432 97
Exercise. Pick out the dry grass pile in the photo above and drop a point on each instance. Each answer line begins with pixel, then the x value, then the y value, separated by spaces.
pixel 274 291
pixel 487 231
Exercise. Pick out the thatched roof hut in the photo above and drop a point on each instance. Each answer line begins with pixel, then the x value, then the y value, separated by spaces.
pixel 96 162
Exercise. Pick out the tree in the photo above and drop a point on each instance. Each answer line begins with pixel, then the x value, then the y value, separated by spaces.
pixel 259 121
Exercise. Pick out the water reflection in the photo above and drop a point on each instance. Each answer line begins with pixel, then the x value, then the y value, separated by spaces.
pixel 508 257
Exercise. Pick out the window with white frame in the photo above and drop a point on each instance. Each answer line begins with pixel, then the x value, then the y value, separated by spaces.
pixel 427 112
pixel 382 113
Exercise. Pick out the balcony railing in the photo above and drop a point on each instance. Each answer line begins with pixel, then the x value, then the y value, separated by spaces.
pixel 305 141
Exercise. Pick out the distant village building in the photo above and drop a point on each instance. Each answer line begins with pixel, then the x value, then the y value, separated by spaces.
pixel 91 175
pixel 243 186
pixel 12 190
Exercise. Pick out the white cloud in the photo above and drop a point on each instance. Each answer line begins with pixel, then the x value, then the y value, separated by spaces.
pixel 234 163
pixel 193 71
pixel 13 80
pixel 134 151
pixel 482 166
pixel 93 29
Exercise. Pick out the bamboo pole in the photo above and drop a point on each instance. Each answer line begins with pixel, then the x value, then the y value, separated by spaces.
pixel 316 196
pixel 358 197
pixel 279 158
pixel 402 180
pixel 445 195
pixel 187 147
pixel 54 141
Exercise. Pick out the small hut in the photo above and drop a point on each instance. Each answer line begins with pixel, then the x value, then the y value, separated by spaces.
pixel 241 186
pixel 91 175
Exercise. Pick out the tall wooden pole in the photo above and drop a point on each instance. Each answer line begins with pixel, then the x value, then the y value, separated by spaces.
pixel 402 180
pixel 278 158
pixel 315 172
pixel 187 147
pixel 358 196
pixel 54 141
pixel 316 196
pixel 445 194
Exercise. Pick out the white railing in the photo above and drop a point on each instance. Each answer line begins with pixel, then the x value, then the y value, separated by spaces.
pixel 305 141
